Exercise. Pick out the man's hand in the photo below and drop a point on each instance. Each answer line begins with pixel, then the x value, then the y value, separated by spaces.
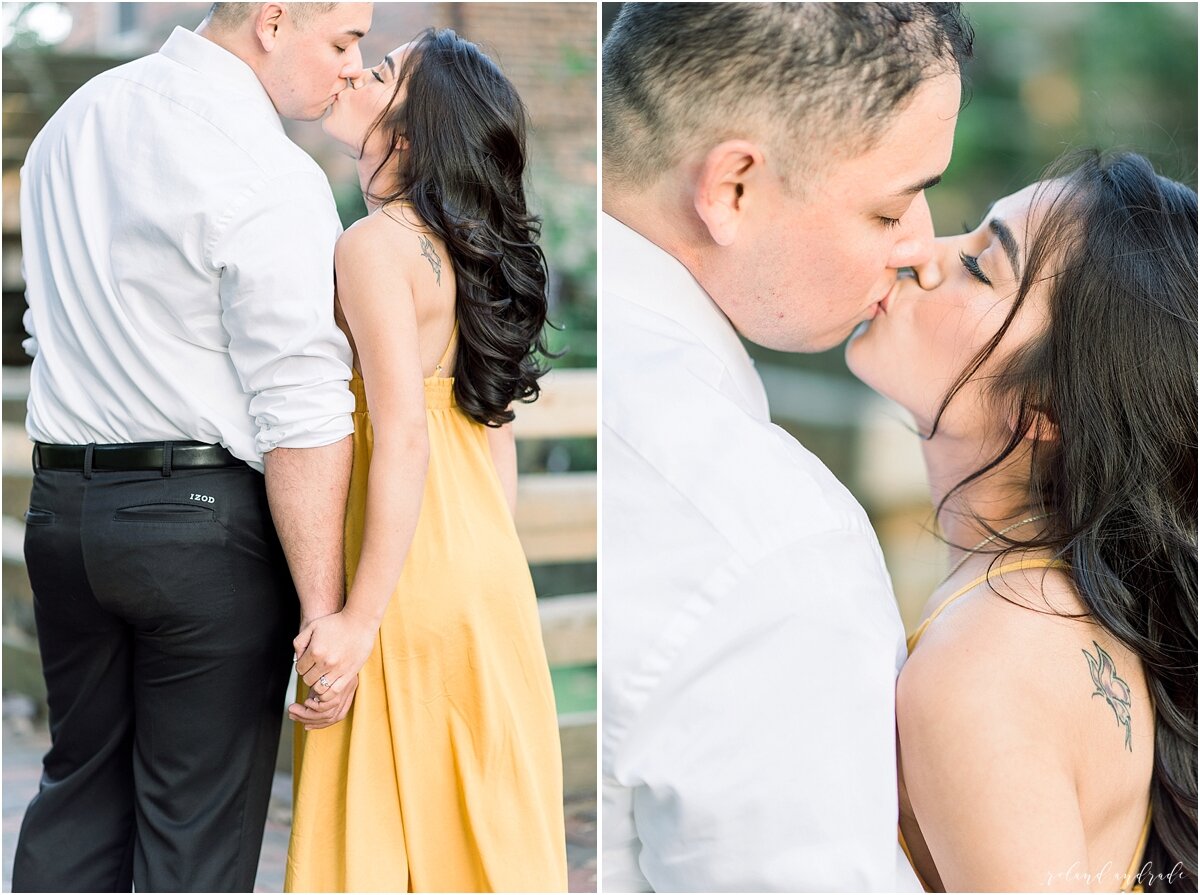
pixel 315 714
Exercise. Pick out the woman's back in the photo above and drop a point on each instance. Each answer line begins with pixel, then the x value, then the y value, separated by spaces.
pixel 415 260
pixel 1000 704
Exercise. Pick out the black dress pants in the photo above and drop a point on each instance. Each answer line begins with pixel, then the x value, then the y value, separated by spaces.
pixel 165 614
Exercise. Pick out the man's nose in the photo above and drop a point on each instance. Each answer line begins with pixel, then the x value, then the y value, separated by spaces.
pixel 916 248
pixel 352 70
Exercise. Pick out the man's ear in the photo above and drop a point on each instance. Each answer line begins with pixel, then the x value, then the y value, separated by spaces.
pixel 721 196
pixel 266 25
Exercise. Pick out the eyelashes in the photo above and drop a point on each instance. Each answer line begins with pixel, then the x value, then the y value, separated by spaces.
pixel 971 263
pixel 889 223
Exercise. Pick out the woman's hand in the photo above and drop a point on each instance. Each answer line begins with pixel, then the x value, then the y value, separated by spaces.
pixel 332 649
pixel 315 714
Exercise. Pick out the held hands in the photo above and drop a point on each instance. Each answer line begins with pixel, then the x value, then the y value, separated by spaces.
pixel 315 714
pixel 330 652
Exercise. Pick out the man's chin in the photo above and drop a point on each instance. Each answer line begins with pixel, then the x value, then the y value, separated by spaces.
pixel 815 343
pixel 793 343
pixel 316 114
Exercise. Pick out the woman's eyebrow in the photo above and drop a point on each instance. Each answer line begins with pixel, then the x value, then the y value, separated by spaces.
pixel 1008 242
pixel 391 63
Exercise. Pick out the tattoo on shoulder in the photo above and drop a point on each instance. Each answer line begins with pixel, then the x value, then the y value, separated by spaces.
pixel 1114 690
pixel 431 255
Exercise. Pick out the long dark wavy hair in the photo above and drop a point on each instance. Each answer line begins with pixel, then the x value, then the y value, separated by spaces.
pixel 1114 374
pixel 462 171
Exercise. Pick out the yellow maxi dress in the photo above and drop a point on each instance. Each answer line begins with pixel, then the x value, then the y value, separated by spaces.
pixel 447 773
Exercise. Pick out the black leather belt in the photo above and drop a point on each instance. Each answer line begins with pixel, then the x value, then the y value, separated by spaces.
pixel 130 457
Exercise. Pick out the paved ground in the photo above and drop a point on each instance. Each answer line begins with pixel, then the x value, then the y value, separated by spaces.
pixel 25 743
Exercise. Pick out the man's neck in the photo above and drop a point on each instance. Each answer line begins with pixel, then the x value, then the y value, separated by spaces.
pixel 232 42
pixel 659 213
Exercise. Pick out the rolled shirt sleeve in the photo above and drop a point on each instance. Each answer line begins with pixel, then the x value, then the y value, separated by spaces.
pixel 275 253
pixel 30 342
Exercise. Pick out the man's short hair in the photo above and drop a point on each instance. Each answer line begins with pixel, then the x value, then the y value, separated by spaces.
pixel 802 79
pixel 230 16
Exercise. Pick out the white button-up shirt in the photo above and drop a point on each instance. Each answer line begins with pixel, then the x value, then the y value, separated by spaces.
pixel 178 258
pixel 751 640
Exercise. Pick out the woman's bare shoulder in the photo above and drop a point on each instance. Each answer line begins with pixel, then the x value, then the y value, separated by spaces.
pixel 392 236
pixel 1024 652
pixel 1014 629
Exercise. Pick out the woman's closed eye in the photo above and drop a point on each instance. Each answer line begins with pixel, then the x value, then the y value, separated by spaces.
pixel 971 263
pixel 378 76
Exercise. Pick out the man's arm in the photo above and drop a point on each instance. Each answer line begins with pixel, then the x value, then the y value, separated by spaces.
pixel 306 488
pixel 275 256
pixel 765 759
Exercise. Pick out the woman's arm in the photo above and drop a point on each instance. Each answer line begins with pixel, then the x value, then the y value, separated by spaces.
pixel 985 760
pixel 503 445
pixel 378 304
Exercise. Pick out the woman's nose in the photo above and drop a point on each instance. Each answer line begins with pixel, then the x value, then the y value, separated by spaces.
pixel 930 273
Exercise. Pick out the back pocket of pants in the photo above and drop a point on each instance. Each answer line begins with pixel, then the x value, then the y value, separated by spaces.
pixel 164 512
pixel 34 516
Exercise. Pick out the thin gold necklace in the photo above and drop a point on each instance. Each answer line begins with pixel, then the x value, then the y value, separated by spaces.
pixel 958 565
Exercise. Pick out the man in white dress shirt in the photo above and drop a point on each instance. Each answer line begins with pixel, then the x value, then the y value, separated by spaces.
pixel 178 255
pixel 764 175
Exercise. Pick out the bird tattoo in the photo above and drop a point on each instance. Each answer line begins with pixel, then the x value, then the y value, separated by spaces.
pixel 431 255
pixel 1114 690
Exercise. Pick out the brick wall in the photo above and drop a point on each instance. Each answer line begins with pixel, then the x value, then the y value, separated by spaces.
pixel 549 52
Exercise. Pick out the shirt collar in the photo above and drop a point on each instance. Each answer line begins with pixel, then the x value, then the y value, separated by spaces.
pixel 216 63
pixel 645 274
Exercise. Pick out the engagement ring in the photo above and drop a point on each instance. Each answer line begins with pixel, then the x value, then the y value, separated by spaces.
pixel 323 681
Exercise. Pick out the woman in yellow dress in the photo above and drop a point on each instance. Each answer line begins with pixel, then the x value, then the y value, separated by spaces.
pixel 1047 711
pixel 446 774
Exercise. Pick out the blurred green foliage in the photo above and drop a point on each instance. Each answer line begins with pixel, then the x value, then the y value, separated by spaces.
pixel 1049 77
pixel 568 213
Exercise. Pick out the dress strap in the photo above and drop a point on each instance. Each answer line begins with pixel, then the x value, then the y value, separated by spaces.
pixel 1131 883
pixel 1017 566
pixel 441 364
pixel 925 887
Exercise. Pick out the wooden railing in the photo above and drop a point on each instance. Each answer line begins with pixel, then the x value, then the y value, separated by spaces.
pixel 556 519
